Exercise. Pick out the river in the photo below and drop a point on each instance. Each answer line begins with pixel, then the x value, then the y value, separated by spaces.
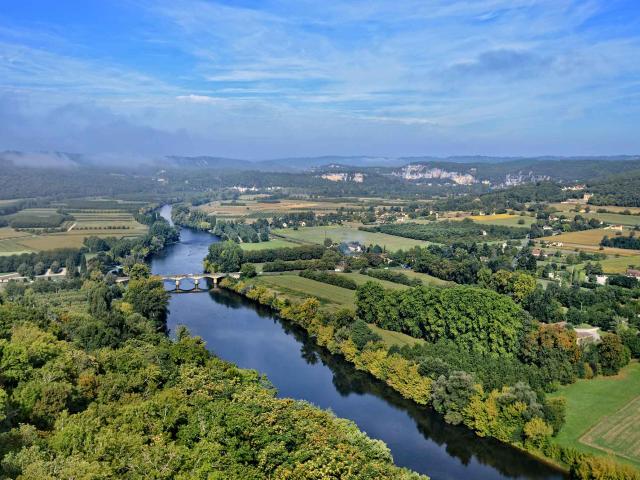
pixel 250 336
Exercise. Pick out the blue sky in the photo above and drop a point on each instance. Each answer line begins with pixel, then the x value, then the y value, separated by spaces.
pixel 263 79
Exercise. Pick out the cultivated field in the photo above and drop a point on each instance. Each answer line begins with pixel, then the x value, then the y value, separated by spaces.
pixel 273 243
pixel 101 224
pixel 298 288
pixel 589 240
pixel 618 433
pixel 359 278
pixel 503 219
pixel 349 233
pixel 257 209
pixel 598 411
pixel 394 338
pixel 568 207
pixel 619 265
pixel 426 278
pixel 615 218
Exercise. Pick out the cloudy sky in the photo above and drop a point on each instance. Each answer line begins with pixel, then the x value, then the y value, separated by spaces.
pixel 263 79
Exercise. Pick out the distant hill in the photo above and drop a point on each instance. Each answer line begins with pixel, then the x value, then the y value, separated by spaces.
pixel 455 170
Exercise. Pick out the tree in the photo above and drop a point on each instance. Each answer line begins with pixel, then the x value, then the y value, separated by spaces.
pixel 39 268
pixel 248 270
pixel 224 257
pixel 451 395
pixel 25 270
pixel 537 432
pixel 138 271
pixel 555 412
pixel 612 354
pixel 148 297
pixel 368 296
pixel 361 334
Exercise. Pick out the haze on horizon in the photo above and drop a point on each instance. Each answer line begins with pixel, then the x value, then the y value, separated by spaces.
pixel 265 79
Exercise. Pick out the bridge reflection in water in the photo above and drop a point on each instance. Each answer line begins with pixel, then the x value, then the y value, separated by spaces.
pixel 202 282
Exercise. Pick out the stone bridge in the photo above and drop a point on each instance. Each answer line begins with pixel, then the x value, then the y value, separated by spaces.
pixel 197 278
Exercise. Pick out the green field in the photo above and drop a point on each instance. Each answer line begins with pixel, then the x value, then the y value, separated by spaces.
pixel 619 433
pixel 331 298
pixel 619 265
pixel 598 411
pixel 426 278
pixel 359 278
pixel 394 338
pixel 348 233
pixel 273 243
pixel 614 218
pixel 101 224
pixel 298 288
pixel 503 219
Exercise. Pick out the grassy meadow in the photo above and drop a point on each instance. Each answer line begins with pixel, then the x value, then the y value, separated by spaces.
pixel 272 243
pixel 86 224
pixel 503 219
pixel 603 415
pixel 348 233
pixel 252 207
pixel 589 241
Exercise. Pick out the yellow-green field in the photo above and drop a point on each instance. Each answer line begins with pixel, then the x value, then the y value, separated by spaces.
pixel 273 243
pixel 589 240
pixel 394 338
pixel 348 233
pixel 359 278
pixel 298 288
pixel 614 218
pixel 619 433
pixel 331 298
pixel 619 265
pixel 501 219
pixel 255 208
pixel 568 207
pixel 102 224
pixel 426 278
pixel 603 415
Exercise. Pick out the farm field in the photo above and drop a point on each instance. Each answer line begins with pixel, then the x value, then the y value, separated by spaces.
pixel 614 218
pixel 589 240
pixel 619 265
pixel 298 288
pixel 618 433
pixel 394 338
pixel 348 233
pixel 101 224
pixel 359 278
pixel 598 411
pixel 568 207
pixel 426 278
pixel 503 219
pixel 107 220
pixel 273 243
pixel 257 209
pixel 10 233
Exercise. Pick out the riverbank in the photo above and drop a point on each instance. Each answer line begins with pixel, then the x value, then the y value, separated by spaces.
pixel 403 376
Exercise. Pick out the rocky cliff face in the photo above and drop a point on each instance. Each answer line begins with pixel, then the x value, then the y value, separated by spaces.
pixel 419 171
